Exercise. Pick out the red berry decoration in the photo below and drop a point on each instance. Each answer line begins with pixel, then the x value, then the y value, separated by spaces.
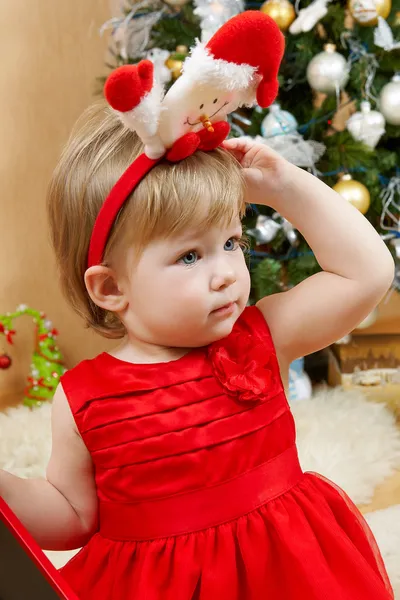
pixel 5 361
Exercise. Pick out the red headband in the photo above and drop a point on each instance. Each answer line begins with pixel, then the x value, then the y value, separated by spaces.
pixel 113 204
pixel 238 66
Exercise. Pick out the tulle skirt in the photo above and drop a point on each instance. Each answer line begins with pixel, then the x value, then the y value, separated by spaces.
pixel 310 543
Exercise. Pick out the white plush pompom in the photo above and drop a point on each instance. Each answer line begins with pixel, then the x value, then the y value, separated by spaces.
pixel 145 117
pixel 201 66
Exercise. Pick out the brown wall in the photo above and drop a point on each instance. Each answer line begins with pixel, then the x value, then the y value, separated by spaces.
pixel 52 52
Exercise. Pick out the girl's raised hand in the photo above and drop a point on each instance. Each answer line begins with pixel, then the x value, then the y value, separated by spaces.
pixel 266 172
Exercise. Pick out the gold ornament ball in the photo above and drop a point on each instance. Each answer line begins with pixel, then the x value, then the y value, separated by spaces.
pixel 175 66
pixel 362 14
pixel 176 60
pixel 281 11
pixel 355 192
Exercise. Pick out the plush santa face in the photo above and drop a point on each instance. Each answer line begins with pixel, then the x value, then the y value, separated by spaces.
pixel 189 107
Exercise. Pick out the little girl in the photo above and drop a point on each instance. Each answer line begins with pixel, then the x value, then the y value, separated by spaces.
pixel 174 462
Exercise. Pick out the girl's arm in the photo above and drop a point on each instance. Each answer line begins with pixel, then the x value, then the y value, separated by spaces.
pixel 357 266
pixel 60 511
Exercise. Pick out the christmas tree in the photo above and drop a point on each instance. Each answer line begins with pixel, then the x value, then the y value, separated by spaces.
pixel 337 113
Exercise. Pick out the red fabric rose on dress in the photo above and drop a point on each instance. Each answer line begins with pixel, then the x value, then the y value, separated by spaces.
pixel 242 365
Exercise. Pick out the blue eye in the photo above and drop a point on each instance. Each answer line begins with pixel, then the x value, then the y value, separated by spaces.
pixel 190 258
pixel 231 244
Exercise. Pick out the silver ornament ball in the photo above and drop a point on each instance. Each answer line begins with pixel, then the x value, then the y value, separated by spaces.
pixel 328 71
pixel 278 122
pixel 389 100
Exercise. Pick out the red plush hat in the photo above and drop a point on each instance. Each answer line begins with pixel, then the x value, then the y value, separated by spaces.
pixel 237 67
pixel 249 43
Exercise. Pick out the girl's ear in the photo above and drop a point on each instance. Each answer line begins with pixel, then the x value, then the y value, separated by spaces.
pixel 103 287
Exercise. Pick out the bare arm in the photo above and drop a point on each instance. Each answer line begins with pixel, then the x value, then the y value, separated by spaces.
pixel 60 511
pixel 357 268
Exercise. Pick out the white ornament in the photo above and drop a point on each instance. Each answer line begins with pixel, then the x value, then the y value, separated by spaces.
pixel 369 320
pixel 389 101
pixel 265 230
pixel 308 17
pixel 383 36
pixel 390 216
pixel 278 122
pixel 290 232
pixel 131 34
pixel 267 227
pixel 158 56
pixel 21 307
pixel 214 13
pixel 328 71
pixel 363 11
pixel 48 324
pixel 300 387
pixel 346 339
pixel 295 149
pixel 367 126
pixel 395 242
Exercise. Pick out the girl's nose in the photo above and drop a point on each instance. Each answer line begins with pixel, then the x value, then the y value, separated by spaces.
pixel 224 278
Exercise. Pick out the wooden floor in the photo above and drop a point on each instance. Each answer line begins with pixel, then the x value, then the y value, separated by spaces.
pixel 387 494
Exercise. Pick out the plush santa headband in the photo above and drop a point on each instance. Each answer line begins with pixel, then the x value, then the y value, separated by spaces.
pixel 237 67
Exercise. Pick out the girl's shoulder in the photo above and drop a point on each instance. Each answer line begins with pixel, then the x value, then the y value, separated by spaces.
pixel 83 381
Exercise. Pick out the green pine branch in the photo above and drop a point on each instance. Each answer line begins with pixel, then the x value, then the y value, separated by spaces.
pixel 174 30
pixel 266 278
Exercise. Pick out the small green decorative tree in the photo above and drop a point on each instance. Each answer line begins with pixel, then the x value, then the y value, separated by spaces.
pixel 47 362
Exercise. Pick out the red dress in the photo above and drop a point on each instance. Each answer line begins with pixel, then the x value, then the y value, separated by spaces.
pixel 201 496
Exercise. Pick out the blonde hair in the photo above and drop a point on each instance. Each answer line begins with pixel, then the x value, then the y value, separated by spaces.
pixel 166 202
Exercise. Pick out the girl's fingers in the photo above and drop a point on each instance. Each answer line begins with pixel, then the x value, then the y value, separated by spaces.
pixel 235 153
pixel 238 144
pixel 238 147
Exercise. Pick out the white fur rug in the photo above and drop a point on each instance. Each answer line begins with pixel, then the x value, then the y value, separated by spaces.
pixel 385 525
pixel 351 441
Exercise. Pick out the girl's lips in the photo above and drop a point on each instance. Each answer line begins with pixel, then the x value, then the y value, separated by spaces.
pixel 225 310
